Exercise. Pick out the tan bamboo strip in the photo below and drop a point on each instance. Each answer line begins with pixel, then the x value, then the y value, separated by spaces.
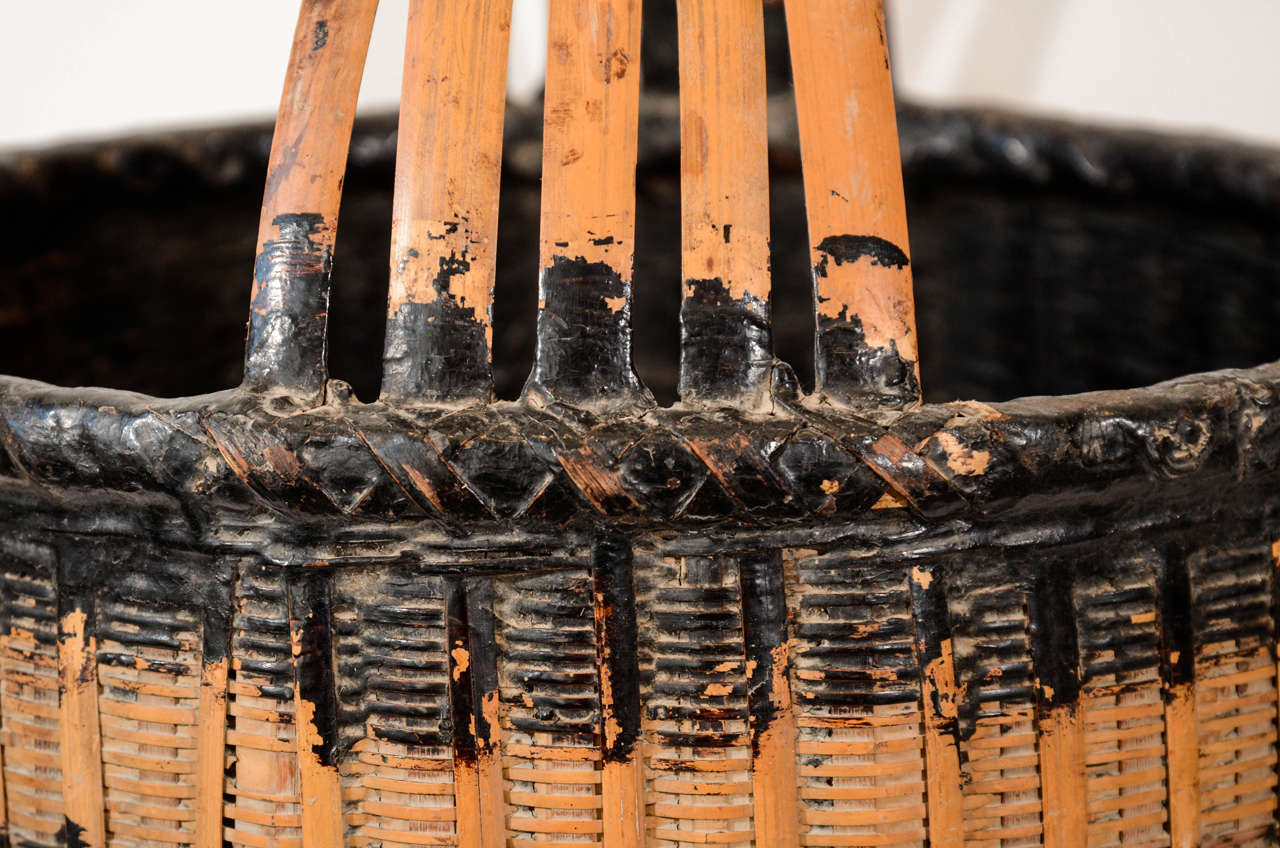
pixel 321 791
pixel 445 213
pixel 311 643
pixel 1062 776
pixel 726 352
pixel 298 226
pixel 587 237
pixel 939 696
pixel 1183 761
pixel 942 757
pixel 854 200
pixel 489 774
pixel 81 746
pixel 590 134
pixel 772 715
pixel 621 800
pixel 211 754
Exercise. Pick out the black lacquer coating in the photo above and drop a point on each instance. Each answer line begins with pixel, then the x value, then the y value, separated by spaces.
pixel 311 623
pixel 1054 646
pixel 726 344
pixel 613 583
pixel 289 314
pixel 437 350
pixel 583 352
pixel 764 629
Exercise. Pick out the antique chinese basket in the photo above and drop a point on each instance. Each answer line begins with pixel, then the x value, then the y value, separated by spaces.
pixel 776 611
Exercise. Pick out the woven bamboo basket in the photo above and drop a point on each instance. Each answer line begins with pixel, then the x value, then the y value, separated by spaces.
pixel 779 611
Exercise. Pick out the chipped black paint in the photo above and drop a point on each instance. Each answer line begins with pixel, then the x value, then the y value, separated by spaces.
pixel 846 365
pixel 764 632
pixel 726 347
pixel 1055 647
pixel 217 611
pixel 847 250
pixel 1177 634
pixel 288 320
pixel 932 623
pixel 462 701
pixel 583 351
pixel 437 351
pixel 70 835
pixel 320 36
pixel 311 629
pixel 613 585
pixel 484 660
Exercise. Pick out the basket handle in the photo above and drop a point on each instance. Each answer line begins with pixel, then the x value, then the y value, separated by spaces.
pixel 289 304
pixel 448 173
pixel 866 335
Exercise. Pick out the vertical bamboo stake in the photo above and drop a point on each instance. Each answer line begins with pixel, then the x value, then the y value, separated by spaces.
pixel 583 351
pixel 211 740
pixel 315 705
pixel 622 777
pixel 4 795
pixel 445 221
pixel 80 735
pixel 866 341
pixel 939 696
pixel 484 685
pixel 726 350
pixel 211 753
pixel 772 716
pixel 466 749
pixel 1275 637
pixel 1055 653
pixel 1182 728
pixel 288 321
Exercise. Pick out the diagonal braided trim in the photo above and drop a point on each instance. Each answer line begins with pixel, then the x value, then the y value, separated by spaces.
pixel 535 465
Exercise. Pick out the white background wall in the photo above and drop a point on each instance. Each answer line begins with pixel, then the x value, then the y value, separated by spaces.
pixel 86 68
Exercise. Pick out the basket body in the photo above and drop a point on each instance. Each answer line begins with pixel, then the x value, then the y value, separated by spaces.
pixel 1048 620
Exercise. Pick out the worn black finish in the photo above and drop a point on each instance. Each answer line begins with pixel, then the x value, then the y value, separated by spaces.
pixel 462 702
pixel 765 637
pixel 932 644
pixel 289 314
pixel 726 344
pixel 584 335
pixel 310 601
pixel 845 363
pixel 437 351
pixel 484 662
pixel 1055 648
pixel 613 585
pixel 1177 649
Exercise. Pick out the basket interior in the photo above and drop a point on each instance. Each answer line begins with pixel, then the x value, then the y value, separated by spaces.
pixel 129 266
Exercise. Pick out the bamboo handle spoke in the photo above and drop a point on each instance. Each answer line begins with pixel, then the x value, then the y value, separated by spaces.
pixel 445 226
pixel 866 340
pixel 726 350
pixel 583 352
pixel 288 321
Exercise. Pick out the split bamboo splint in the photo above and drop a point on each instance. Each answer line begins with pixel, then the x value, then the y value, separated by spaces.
pixel 280 617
